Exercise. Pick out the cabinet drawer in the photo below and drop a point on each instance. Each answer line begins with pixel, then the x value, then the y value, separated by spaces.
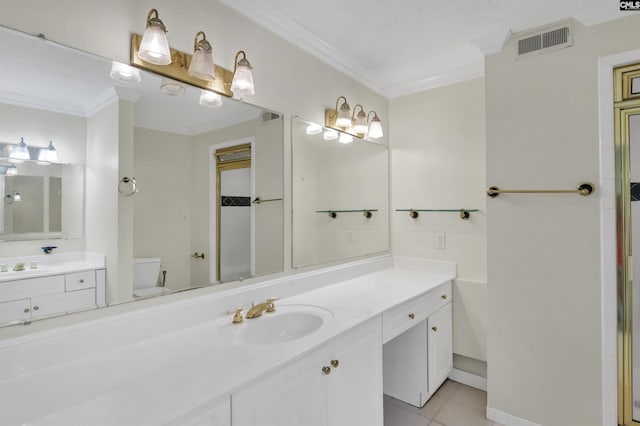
pixel 62 303
pixel 18 310
pixel 401 318
pixel 22 289
pixel 80 280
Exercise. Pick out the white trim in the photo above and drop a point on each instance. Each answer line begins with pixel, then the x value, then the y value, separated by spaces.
pixel 507 419
pixel 475 70
pixel 212 204
pixel 39 103
pixel 607 230
pixel 469 379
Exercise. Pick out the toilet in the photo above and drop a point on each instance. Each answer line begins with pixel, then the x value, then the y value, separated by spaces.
pixel 146 271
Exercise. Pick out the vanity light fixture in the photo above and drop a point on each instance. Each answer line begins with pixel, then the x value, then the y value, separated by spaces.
pixel 125 73
pixel 375 126
pixel 14 197
pixel 345 138
pixel 202 61
pixel 172 87
pixel 20 152
pixel 12 170
pixel 242 83
pixel 154 47
pixel 359 121
pixel 48 154
pixel 314 129
pixel 330 135
pixel 210 99
pixel 343 118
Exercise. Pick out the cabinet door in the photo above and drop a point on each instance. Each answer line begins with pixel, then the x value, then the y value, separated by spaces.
pixel 355 388
pixel 17 310
pixel 294 396
pixel 63 302
pixel 440 347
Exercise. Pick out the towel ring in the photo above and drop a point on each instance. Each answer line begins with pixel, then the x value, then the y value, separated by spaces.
pixel 130 186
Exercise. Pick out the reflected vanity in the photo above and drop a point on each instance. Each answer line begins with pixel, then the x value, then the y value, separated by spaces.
pixel 340 195
pixel 186 222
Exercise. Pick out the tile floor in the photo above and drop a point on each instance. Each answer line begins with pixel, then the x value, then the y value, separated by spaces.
pixel 454 404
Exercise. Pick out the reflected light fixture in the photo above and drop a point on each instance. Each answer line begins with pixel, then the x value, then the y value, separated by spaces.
pixel 14 197
pixel 330 135
pixel 242 83
pixel 172 87
pixel 124 73
pixel 210 99
pixel 314 129
pixel 375 126
pixel 12 170
pixel 154 47
pixel 20 152
pixel 359 121
pixel 345 138
pixel 202 61
pixel 48 154
pixel 344 113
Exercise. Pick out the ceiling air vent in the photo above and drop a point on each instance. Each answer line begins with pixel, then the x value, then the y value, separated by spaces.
pixel 544 41
pixel 269 115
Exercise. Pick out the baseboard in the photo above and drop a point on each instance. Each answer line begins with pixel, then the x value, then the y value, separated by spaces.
pixel 507 419
pixel 468 379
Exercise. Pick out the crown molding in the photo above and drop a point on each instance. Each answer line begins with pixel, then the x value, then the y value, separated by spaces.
pixel 101 101
pixel 591 17
pixel 301 37
pixel 446 78
pixel 39 103
pixel 492 43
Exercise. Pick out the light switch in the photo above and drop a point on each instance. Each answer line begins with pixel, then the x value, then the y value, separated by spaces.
pixel 441 241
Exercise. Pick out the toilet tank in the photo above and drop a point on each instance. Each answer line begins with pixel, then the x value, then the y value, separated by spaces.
pixel 146 271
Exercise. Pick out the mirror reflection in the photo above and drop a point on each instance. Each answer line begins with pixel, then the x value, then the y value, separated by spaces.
pixel 340 195
pixel 193 218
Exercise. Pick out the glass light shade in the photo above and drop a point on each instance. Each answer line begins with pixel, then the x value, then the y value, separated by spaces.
pixel 242 83
pixel 17 197
pixel 360 124
pixel 375 128
pixel 210 99
pixel 154 47
pixel 172 87
pixel 314 129
pixel 12 170
pixel 48 154
pixel 20 152
pixel 345 138
pixel 125 73
pixel 344 116
pixel 330 135
pixel 202 65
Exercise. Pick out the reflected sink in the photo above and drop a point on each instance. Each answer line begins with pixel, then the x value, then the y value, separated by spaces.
pixel 289 322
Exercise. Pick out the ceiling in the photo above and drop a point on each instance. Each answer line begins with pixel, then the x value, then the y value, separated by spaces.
pixel 49 76
pixel 405 46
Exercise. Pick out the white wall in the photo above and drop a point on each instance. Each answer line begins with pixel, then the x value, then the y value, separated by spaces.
pixel 545 351
pixel 438 162
pixel 162 208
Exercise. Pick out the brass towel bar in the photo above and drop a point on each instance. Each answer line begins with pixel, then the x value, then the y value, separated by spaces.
pixel 260 201
pixel 585 188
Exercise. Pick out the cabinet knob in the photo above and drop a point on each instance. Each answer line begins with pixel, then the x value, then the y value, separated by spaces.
pixel 26 310
pixel 335 363
pixel 434 328
pixel 412 315
pixel 35 308
pixel 444 296
pixel 81 280
pixel 326 370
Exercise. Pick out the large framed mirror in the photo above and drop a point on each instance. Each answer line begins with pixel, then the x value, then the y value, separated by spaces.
pixel 340 195
pixel 150 195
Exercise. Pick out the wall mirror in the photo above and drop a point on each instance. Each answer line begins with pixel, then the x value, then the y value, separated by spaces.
pixel 340 195
pixel 204 224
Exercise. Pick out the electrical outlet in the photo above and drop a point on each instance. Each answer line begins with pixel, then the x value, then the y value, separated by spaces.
pixel 349 237
pixel 441 241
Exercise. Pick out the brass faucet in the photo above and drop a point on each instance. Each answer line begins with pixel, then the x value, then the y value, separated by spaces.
pixel 19 266
pixel 258 309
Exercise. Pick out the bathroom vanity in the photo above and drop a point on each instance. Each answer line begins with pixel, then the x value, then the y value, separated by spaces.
pixel 185 362
pixel 50 285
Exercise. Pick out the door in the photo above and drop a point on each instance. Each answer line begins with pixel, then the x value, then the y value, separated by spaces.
pixel 627 157
pixel 16 310
pixel 440 343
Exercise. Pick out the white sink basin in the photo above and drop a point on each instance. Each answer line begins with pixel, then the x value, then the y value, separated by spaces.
pixel 289 322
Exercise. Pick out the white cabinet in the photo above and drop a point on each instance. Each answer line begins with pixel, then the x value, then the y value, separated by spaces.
pixel 217 413
pixel 440 330
pixel 339 384
pixel 418 360
pixel 22 300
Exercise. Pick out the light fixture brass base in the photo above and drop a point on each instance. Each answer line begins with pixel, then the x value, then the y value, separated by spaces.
pixel 330 116
pixel 178 67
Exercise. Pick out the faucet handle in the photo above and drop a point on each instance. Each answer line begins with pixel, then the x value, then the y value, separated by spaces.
pixel 271 307
pixel 237 318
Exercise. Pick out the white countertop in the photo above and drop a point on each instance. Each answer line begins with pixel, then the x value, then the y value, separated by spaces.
pixel 51 264
pixel 155 380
